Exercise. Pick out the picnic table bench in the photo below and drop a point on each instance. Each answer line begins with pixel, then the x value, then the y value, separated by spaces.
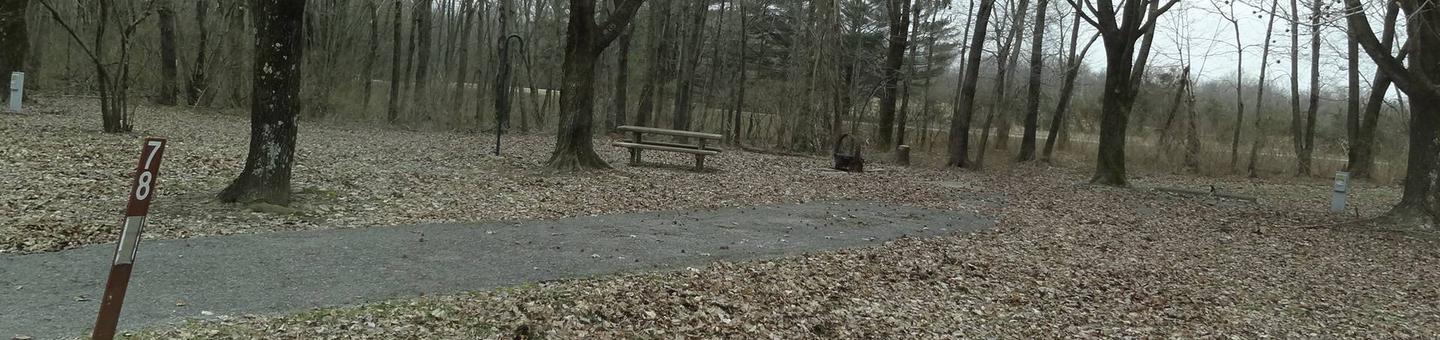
pixel 637 142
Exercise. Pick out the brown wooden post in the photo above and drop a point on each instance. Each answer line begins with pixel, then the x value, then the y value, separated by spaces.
pixel 142 189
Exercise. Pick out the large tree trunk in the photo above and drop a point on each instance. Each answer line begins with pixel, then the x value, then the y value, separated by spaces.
pixel 14 41
pixel 899 19
pixel 1037 69
pixel 1260 93
pixel 198 84
pixel 168 63
pixel 274 104
pixel 959 139
pixel 1418 80
pixel 392 112
pixel 584 41
pixel 1363 161
pixel 1115 106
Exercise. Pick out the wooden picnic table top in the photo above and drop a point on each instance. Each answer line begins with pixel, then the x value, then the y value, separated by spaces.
pixel 660 131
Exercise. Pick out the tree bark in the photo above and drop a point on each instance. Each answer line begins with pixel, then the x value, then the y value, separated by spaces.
pixel 274 104
pixel 198 85
pixel 424 14
pixel 689 61
pixel 1363 161
pixel 622 81
pixel 1037 69
pixel 584 41
pixel 467 12
pixel 1119 34
pixel 168 63
pixel 960 120
pixel 1418 80
pixel 899 19
pixel 1305 158
pixel 1067 90
pixel 1260 93
pixel 1005 58
pixel 392 112
pixel 367 73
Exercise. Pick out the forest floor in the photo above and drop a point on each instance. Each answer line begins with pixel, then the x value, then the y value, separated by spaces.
pixel 1067 259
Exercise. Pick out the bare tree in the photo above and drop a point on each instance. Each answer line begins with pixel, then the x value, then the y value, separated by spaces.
pixel 584 41
pixel 1307 150
pixel 467 12
pixel 1234 19
pixel 197 85
pixel 1037 69
pixel 274 104
pixel 1260 93
pixel 1119 32
pixel 113 75
pixel 959 139
pixel 898 13
pixel 168 61
pixel 1067 90
pixel 1362 159
pixel 1419 81
pixel 1005 60
pixel 392 112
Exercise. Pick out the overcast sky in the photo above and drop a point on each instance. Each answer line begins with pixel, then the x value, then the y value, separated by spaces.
pixel 1198 26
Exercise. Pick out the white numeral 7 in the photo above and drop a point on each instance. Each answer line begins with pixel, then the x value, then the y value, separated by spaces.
pixel 154 147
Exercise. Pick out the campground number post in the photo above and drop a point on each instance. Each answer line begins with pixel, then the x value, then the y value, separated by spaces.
pixel 142 190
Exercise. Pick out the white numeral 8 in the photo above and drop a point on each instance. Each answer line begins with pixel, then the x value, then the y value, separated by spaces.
pixel 142 186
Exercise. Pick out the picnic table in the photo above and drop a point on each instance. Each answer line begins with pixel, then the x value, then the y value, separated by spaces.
pixel 637 143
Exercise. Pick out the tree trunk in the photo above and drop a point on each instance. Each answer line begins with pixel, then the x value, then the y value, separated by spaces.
pixel 366 74
pixel 1115 104
pixel 622 81
pixel 1006 58
pixel 659 24
pixel 1297 133
pixel 1037 69
pixel 1352 100
pixel 14 41
pixel 1062 105
pixel 274 104
pixel 198 84
pixel 1364 162
pixel 1239 97
pixel 1260 93
pixel 902 119
pixel 463 65
pixel 689 60
pixel 584 41
pixel 168 68
pixel 960 120
pixel 423 17
pixel 740 78
pixel 1313 110
pixel 392 112
pixel 899 19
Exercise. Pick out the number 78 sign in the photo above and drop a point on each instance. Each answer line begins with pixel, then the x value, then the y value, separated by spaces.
pixel 142 189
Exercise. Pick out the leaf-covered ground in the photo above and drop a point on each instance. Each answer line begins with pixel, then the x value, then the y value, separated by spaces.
pixel 1068 259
